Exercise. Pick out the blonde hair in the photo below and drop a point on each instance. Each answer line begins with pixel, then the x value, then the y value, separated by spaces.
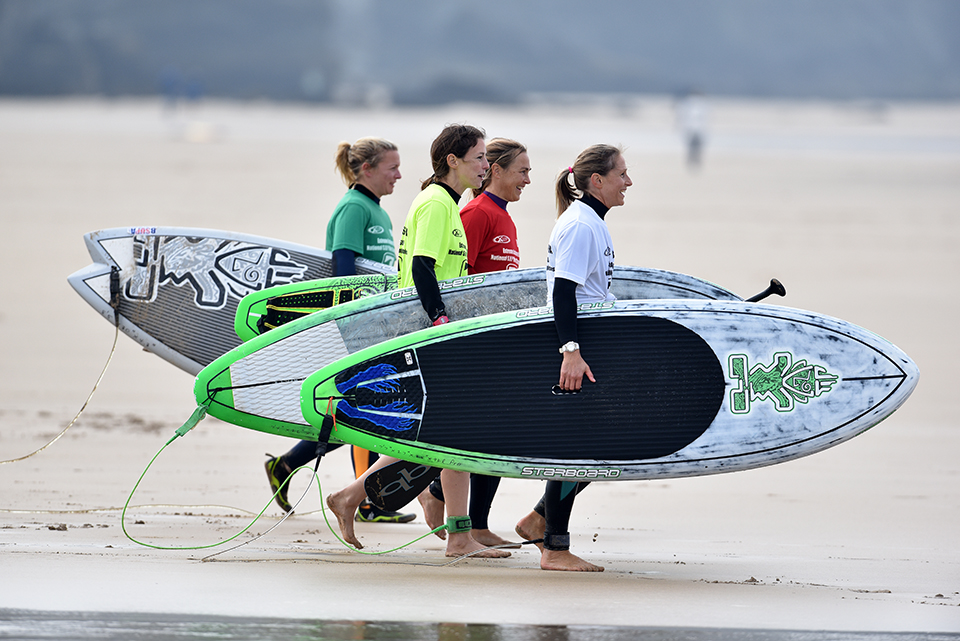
pixel 351 158
pixel 597 159
pixel 500 151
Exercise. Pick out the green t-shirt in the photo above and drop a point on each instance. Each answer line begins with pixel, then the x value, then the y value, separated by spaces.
pixel 433 229
pixel 362 226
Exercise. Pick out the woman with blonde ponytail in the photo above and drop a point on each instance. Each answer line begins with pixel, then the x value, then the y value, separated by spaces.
pixel 433 247
pixel 579 270
pixel 359 226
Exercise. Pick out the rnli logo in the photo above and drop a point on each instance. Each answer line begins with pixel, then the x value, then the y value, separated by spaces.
pixel 376 229
pixel 503 240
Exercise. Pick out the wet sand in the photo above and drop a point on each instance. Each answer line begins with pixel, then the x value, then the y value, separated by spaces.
pixel 856 210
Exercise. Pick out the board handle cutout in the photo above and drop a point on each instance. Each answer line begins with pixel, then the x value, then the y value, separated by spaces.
pixel 559 391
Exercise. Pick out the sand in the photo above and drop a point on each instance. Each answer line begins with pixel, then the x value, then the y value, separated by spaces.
pixel 856 209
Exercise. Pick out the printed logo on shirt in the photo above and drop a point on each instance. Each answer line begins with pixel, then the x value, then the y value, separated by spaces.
pixel 503 239
pixel 457 233
pixel 376 229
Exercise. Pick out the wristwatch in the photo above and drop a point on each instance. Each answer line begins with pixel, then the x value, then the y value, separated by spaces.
pixel 572 346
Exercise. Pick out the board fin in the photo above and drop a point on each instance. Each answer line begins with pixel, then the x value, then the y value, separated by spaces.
pixel 394 486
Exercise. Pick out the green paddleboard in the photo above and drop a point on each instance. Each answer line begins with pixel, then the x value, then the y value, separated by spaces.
pixel 257 384
pixel 269 308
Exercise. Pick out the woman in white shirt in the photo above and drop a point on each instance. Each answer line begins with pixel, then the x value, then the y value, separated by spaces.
pixel 579 270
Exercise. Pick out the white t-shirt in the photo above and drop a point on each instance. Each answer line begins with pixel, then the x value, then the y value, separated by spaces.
pixel 581 250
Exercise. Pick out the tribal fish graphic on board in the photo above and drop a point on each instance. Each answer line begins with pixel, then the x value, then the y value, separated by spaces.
pixel 215 269
pixel 378 395
pixel 784 382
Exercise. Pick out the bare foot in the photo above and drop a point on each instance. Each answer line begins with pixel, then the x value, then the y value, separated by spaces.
pixel 532 527
pixel 565 560
pixel 461 543
pixel 488 538
pixel 432 512
pixel 344 513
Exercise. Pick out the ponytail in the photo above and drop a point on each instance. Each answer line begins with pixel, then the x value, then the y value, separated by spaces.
pixel 351 158
pixel 597 159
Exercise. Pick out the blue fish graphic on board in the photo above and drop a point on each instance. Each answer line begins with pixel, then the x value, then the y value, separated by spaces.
pixel 378 397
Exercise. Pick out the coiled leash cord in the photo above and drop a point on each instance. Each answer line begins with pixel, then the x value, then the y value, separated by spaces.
pixel 328 426
pixel 115 304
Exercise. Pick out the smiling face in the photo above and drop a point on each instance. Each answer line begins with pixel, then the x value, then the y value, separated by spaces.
pixel 468 172
pixel 509 183
pixel 609 187
pixel 380 178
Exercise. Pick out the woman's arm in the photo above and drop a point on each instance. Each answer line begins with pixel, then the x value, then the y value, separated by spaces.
pixel 344 262
pixel 573 368
pixel 428 290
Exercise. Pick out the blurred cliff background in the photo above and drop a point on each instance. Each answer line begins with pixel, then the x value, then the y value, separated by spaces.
pixel 422 52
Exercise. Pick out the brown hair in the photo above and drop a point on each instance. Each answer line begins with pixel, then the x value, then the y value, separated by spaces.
pixel 351 158
pixel 454 139
pixel 500 151
pixel 597 159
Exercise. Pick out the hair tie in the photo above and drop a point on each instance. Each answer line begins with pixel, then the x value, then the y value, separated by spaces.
pixel 569 170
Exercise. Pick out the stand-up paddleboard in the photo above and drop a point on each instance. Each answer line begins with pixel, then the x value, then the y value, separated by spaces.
pixel 268 308
pixel 257 385
pixel 684 388
pixel 178 288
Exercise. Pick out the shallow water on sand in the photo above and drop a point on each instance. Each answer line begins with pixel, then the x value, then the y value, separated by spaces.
pixel 66 626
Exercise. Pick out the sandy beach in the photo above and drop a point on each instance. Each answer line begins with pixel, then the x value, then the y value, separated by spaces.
pixel 854 207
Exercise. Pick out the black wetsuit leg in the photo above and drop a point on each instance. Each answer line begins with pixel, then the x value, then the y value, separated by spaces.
pixel 482 490
pixel 304 452
pixel 555 506
pixel 541 506
pixel 436 489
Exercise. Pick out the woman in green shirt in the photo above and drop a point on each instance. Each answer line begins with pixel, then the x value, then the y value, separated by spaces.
pixel 359 226
pixel 433 247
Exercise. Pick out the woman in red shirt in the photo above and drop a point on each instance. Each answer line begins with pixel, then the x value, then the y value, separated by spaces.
pixel 491 233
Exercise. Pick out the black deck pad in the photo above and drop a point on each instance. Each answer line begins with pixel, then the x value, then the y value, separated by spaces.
pixel 384 395
pixel 659 386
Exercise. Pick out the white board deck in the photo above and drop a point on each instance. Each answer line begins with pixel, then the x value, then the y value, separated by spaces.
pixel 178 287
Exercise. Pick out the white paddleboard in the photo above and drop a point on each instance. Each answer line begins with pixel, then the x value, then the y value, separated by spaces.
pixel 176 289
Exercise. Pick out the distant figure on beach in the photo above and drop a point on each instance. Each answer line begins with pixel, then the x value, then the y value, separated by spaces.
pixel 692 119
pixel 491 246
pixel 579 270
pixel 433 248
pixel 359 226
